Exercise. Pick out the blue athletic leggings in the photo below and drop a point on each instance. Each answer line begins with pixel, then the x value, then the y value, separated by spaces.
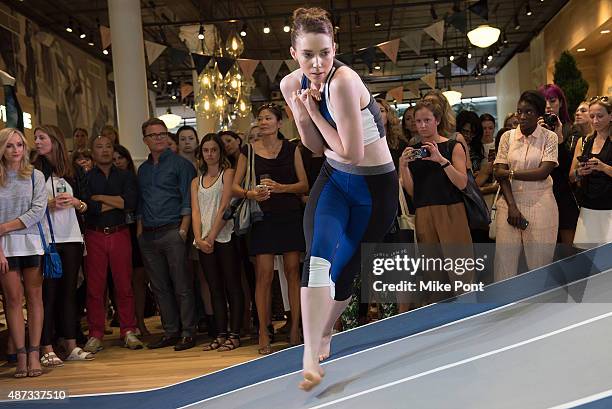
pixel 347 206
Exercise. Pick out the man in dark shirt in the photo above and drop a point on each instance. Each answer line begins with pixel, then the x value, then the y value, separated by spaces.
pixel 112 192
pixel 164 216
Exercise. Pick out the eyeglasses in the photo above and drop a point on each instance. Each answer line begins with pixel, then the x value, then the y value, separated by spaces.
pixel 160 135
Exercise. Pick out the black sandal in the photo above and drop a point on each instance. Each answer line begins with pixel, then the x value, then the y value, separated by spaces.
pixel 33 373
pixel 215 344
pixel 231 343
pixel 21 373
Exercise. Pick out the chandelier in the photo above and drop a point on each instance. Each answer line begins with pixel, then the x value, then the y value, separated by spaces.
pixel 220 97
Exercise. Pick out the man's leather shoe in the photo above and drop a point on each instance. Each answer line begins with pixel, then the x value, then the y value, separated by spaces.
pixel 163 342
pixel 185 343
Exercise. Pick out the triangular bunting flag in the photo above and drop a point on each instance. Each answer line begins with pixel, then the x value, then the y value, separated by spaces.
pixel 390 48
pixel 200 62
pixel 413 40
pixel 413 87
pixel 346 58
pixel 177 56
pixel 481 8
pixel 368 56
pixel 461 62
pixel 272 67
pixel 396 93
pixel 224 64
pixel 105 36
pixel 430 79
pixel 459 21
pixel 186 89
pixel 436 31
pixel 446 71
pixel 247 67
pixel 292 64
pixel 154 50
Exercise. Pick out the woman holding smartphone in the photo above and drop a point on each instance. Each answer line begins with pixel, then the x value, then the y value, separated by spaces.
pixel 592 169
pixel 527 214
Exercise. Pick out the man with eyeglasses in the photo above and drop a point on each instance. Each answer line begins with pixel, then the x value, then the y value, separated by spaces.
pixel 164 216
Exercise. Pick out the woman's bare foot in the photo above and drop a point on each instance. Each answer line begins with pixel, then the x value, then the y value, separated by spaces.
pixel 325 347
pixel 312 377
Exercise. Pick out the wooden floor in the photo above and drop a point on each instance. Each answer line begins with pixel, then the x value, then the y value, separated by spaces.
pixel 118 369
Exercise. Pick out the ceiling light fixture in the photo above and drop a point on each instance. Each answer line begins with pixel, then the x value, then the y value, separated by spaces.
pixel 517 25
pixel 433 13
pixel 69 25
pixel 528 10
pixel 105 51
pixel 469 55
pixel 484 35
pixel 451 58
pixel 201 32
pixel 377 66
pixel 604 32
pixel 243 32
pixel 581 50
pixel 377 22
pixel 171 120
pixel 436 60
pixel 357 20
pixel 337 23
pixel 286 27
pixel 266 28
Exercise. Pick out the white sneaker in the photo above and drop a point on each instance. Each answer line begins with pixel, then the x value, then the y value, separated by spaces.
pixel 132 341
pixel 6 79
pixel 93 345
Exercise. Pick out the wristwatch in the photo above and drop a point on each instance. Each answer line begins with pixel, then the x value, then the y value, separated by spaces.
pixel 448 162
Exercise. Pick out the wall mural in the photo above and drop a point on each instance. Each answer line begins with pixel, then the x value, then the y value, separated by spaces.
pixel 68 86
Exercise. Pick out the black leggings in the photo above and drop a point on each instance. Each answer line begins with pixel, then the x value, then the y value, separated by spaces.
pixel 222 271
pixel 59 295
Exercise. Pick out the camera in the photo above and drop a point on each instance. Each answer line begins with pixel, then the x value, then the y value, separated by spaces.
pixel 583 158
pixel 550 120
pixel 420 153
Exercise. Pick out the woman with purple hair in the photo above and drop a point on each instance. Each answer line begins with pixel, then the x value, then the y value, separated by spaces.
pixel 556 104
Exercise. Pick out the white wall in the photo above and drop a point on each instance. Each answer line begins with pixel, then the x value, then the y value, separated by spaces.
pixel 511 81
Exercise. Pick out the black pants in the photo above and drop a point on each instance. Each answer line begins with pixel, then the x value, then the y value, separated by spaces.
pixel 59 295
pixel 222 271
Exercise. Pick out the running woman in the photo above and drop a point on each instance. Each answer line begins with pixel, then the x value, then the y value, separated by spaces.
pixel 354 199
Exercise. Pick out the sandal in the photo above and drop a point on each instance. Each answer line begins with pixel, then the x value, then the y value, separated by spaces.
pixel 78 354
pixel 21 373
pixel 33 373
pixel 217 342
pixel 50 360
pixel 231 343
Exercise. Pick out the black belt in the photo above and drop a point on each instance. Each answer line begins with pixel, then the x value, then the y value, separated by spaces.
pixel 163 227
pixel 109 230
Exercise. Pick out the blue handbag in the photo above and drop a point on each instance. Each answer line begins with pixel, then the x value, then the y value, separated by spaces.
pixel 52 263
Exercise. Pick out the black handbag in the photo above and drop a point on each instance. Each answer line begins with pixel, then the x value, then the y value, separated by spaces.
pixel 475 205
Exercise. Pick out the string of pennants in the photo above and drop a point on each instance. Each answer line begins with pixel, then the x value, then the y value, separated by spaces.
pixel 413 39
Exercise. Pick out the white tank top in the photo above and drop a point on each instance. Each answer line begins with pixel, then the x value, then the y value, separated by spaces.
pixel 209 200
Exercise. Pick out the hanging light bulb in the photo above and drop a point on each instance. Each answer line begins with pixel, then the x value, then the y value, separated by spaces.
pixel 451 58
pixel 201 32
pixel 483 36
pixel 243 32
pixel 234 44
pixel 266 28
pixel 528 11
pixel 286 27
pixel 69 25
pixel 377 22
pixel 436 60
pixel 517 25
pixel 105 51
pixel 469 55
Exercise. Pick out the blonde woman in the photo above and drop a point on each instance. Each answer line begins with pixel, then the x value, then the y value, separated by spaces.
pixel 23 200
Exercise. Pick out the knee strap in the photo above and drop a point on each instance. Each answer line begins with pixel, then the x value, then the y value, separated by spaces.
pixel 318 274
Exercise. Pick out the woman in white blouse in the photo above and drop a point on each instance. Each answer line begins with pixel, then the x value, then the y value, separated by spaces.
pixel 23 201
pixel 64 184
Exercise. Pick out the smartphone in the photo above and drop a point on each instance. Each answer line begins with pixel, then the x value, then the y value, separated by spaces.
pixel 550 120
pixel 261 187
pixel 420 153
pixel 583 159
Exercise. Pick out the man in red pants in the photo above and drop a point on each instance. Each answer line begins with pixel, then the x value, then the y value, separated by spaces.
pixel 107 237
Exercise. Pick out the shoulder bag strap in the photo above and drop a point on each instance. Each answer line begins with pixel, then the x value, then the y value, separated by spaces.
pixel 402 200
pixel 247 176
pixel 253 180
pixel 40 229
